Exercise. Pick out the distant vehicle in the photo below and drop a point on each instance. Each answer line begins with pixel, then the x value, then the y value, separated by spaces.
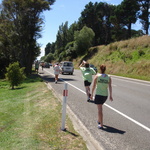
pixel 46 65
pixel 67 67
pixel 50 64
pixel 92 66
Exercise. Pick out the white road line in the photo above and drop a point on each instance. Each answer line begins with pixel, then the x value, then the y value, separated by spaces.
pixel 129 118
pixel 133 80
pixel 136 122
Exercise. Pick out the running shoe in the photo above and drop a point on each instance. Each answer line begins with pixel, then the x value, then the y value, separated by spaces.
pixel 99 126
pixel 88 100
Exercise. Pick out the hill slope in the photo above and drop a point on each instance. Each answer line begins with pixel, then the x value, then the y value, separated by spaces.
pixel 129 58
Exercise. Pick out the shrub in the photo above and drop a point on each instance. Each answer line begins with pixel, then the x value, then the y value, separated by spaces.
pixel 15 74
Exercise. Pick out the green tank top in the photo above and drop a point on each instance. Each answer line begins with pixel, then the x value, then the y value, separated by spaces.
pixel 102 84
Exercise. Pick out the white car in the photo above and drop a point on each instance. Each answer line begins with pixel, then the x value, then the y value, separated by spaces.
pixel 67 67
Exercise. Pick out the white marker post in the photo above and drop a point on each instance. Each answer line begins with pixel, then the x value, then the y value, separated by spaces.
pixel 65 94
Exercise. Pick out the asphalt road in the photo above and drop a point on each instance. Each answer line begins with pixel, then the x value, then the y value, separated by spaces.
pixel 126 119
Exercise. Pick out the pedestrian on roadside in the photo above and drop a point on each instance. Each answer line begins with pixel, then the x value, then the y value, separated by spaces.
pixel 42 65
pixel 36 66
pixel 87 73
pixel 102 82
pixel 56 71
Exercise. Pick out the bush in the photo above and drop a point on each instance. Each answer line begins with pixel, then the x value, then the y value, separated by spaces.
pixel 15 74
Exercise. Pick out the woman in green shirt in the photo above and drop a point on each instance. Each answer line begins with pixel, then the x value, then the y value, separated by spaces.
pixel 101 82
pixel 87 73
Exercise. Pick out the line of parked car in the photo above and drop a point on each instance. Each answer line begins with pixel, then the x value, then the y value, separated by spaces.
pixel 45 64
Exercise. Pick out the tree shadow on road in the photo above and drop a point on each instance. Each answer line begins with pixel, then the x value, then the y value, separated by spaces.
pixel 112 130
pixel 48 78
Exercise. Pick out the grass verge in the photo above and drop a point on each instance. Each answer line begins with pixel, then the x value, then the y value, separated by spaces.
pixel 30 119
pixel 128 58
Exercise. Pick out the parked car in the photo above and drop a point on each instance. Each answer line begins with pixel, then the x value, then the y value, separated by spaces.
pixel 50 64
pixel 92 66
pixel 67 67
pixel 46 65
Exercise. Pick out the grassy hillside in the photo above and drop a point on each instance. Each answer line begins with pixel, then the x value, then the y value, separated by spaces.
pixel 130 58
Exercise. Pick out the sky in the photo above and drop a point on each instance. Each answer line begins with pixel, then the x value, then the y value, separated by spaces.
pixel 62 11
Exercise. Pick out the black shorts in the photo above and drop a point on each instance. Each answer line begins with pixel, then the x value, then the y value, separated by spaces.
pixel 87 83
pixel 100 99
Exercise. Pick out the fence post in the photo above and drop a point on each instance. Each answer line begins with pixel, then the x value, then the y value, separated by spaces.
pixel 65 94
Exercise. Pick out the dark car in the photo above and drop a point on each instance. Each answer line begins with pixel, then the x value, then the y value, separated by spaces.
pixel 46 65
pixel 92 66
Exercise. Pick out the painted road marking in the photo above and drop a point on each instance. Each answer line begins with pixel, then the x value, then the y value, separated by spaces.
pixel 136 81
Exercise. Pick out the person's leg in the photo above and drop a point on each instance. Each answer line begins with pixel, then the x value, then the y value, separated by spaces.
pixel 100 114
pixel 56 78
pixel 87 91
pixel 36 70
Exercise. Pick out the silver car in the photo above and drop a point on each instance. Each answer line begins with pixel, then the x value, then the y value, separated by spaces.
pixel 67 67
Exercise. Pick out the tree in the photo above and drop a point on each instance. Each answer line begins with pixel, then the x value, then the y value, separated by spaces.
pixel 24 25
pixel 97 17
pixel 50 48
pixel 83 40
pixel 47 49
pixel 70 50
pixel 144 14
pixel 15 74
pixel 49 57
pixel 62 39
pixel 73 27
pixel 128 13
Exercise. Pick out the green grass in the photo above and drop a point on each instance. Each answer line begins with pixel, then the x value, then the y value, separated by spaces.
pixel 129 58
pixel 30 119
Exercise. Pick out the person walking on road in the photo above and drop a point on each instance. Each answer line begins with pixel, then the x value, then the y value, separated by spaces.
pixel 36 66
pixel 87 73
pixel 102 82
pixel 56 71
pixel 42 65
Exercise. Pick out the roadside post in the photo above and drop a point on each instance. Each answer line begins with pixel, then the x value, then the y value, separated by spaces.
pixel 65 94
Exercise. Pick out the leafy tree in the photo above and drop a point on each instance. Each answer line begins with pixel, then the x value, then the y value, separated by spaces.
pixel 91 18
pixel 118 30
pixel 62 38
pixel 47 49
pixel 128 13
pixel 70 50
pixel 15 74
pixel 22 21
pixel 73 27
pixel 50 48
pixel 83 40
pixel 49 57
pixel 144 14
pixel 96 16
pixel 42 58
